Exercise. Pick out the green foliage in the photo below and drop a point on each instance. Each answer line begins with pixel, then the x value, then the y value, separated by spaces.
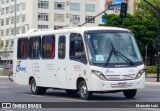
pixel 144 8
pixel 151 69
pixel 143 24
pixel 143 27
pixel 1 43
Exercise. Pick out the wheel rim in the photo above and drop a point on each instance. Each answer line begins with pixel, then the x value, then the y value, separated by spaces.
pixel 83 90
pixel 33 86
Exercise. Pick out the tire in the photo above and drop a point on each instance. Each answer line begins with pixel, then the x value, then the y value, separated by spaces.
pixel 11 76
pixel 36 89
pixel 83 91
pixel 71 92
pixel 130 93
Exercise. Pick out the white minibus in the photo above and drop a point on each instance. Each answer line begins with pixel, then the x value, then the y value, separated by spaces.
pixel 83 60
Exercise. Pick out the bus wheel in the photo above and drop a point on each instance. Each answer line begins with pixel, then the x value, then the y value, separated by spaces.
pixel 37 90
pixel 130 93
pixel 71 92
pixel 83 91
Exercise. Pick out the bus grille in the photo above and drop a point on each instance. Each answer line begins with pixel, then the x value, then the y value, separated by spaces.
pixel 120 77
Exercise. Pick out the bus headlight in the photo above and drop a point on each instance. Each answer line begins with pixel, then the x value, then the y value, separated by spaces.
pixel 140 73
pixel 99 74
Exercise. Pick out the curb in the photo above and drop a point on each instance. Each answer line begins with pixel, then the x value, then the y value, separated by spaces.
pixel 3 76
pixel 153 83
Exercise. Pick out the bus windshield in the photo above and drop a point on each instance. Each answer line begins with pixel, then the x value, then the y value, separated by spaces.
pixel 112 47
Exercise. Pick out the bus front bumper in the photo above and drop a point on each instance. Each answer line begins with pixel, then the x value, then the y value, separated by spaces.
pixel 101 85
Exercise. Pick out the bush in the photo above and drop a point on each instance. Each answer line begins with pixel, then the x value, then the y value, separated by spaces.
pixel 151 69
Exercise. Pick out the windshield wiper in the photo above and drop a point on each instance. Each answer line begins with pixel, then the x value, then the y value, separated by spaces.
pixel 118 54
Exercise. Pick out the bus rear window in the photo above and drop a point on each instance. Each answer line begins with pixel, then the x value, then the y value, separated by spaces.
pixel 22 52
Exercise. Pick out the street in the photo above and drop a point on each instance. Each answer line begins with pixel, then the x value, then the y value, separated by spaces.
pixel 12 92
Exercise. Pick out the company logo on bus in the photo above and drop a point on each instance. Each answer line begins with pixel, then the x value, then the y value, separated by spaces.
pixel 108 71
pixel 19 67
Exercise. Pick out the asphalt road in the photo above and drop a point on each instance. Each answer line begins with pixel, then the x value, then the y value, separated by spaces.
pixel 12 92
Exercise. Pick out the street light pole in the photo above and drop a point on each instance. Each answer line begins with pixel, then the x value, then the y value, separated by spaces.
pixel 146 55
pixel 158 59
pixel 15 10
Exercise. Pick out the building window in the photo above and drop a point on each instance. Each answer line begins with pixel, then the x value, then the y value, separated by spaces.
pixel 12 8
pixel 7 32
pixel 22 52
pixel 59 5
pixel 2 1
pixel 35 47
pixel 76 46
pixel 12 20
pixel 43 4
pixel 12 42
pixel 7 10
pixel 48 46
pixel 7 21
pixel 12 31
pixel 2 22
pixel 75 7
pixel 23 18
pixel 90 8
pixel 75 19
pixel 7 1
pixel 87 18
pixel 2 11
pixel 17 18
pixel 59 17
pixel 42 26
pixel 43 16
pixel 67 3
pixel 7 43
pixel 2 32
pixel 18 7
pixel 18 30
pixel 23 29
pixel 23 6
pixel 61 47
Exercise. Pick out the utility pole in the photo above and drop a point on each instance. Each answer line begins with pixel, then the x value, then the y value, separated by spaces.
pixel 15 10
pixel 145 55
pixel 93 18
pixel 158 36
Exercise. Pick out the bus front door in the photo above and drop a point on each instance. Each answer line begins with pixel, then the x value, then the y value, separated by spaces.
pixel 62 75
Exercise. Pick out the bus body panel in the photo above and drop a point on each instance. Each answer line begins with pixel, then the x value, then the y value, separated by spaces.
pixel 101 85
pixel 64 73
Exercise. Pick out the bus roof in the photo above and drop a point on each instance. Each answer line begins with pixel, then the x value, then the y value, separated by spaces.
pixel 74 29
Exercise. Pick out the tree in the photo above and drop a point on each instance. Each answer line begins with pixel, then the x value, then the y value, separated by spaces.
pixel 143 27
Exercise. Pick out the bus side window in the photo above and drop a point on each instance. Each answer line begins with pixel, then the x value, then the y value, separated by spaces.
pixel 61 47
pixel 48 46
pixel 35 47
pixel 22 48
pixel 76 46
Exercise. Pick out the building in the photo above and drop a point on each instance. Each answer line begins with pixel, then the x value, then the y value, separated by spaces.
pixel 42 14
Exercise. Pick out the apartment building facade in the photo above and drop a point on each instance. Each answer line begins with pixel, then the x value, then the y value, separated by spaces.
pixel 42 14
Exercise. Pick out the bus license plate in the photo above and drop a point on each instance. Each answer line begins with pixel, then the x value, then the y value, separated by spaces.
pixel 122 84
